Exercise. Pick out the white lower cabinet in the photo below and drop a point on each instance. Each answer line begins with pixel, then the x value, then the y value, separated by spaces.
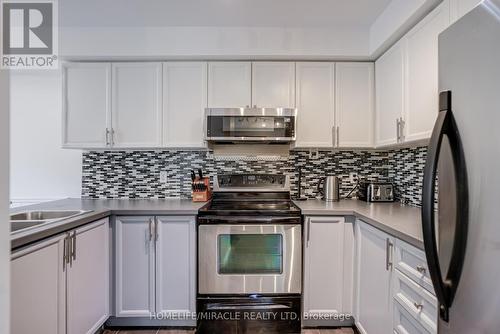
pixel 155 265
pixel 38 289
pixel 404 323
pixel 134 266
pixel 61 285
pixel 328 254
pixel 373 280
pixel 88 279
pixel 392 294
pixel 420 304
pixel 176 265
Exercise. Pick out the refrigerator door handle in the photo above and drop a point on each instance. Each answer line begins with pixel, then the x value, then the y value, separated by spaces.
pixel 445 287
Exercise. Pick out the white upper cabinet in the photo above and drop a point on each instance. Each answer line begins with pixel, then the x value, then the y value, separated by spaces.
pixel 315 103
pixel 421 84
pixel 389 105
pixel 354 95
pixel 273 84
pixel 184 103
pixel 229 84
pixel 86 104
pixel 136 104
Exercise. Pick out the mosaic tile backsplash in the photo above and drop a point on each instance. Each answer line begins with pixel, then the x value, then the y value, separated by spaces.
pixel 136 174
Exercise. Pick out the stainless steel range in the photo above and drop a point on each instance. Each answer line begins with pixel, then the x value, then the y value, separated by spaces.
pixel 250 255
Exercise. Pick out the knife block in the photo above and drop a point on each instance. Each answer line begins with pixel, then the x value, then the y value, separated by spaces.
pixel 201 195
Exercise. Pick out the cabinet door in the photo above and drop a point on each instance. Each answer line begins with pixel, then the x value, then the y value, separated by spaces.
pixel 136 104
pixel 389 87
pixel 323 265
pixel 88 279
pixel 373 277
pixel 354 94
pixel 462 7
pixel 229 84
pixel 315 104
pixel 184 103
pixel 273 84
pixel 175 265
pixel 86 105
pixel 135 267
pixel 421 87
pixel 38 289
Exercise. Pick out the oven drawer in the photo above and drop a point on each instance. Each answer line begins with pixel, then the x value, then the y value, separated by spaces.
pixel 249 259
pixel 412 262
pixel 416 301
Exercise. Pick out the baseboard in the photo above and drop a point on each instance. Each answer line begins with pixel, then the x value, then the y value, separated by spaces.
pixel 147 322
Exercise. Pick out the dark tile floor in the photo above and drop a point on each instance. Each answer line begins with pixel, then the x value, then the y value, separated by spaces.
pixel 178 331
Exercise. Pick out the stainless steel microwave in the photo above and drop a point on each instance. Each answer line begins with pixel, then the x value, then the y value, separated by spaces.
pixel 276 125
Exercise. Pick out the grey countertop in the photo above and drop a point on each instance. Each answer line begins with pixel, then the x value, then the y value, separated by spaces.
pixel 402 222
pixel 98 209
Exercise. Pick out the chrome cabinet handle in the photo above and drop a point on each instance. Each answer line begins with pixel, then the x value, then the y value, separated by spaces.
pixel 308 232
pixel 388 252
pixel 70 249
pixel 421 269
pixel 398 135
pixel 333 136
pixel 73 244
pixel 338 136
pixel 418 306
pixel 401 129
pixel 107 137
pixel 157 235
pixel 150 229
pixel 65 252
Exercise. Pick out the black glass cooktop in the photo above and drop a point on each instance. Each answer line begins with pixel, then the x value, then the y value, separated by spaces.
pixel 251 205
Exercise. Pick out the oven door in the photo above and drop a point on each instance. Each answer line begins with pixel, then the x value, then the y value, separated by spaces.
pixel 249 259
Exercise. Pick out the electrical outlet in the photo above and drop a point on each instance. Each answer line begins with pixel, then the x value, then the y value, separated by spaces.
pixel 313 154
pixel 353 177
pixel 163 177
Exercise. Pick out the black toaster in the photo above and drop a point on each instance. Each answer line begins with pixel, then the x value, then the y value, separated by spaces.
pixel 376 192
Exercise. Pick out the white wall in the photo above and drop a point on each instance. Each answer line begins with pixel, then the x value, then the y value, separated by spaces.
pixel 4 203
pixel 214 42
pixel 399 17
pixel 40 169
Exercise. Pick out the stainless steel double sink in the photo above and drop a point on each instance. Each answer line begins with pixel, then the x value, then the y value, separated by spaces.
pixel 27 219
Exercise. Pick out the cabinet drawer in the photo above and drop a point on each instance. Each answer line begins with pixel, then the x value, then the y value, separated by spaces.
pixel 404 323
pixel 412 262
pixel 417 301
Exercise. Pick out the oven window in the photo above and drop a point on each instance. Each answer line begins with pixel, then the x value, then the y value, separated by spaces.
pixel 250 253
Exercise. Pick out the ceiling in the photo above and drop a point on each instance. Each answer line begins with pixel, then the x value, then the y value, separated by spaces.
pixel 220 13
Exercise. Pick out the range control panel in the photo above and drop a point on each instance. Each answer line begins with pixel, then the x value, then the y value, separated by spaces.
pixel 251 181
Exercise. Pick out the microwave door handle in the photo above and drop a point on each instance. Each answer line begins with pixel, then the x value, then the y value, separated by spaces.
pixel 445 289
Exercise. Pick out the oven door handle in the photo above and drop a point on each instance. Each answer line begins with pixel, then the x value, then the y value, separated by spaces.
pixel 249 220
pixel 230 307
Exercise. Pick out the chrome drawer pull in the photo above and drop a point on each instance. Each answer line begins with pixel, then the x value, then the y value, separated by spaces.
pixel 419 307
pixel 421 269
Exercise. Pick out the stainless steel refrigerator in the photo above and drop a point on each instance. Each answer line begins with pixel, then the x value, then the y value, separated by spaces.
pixel 462 243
